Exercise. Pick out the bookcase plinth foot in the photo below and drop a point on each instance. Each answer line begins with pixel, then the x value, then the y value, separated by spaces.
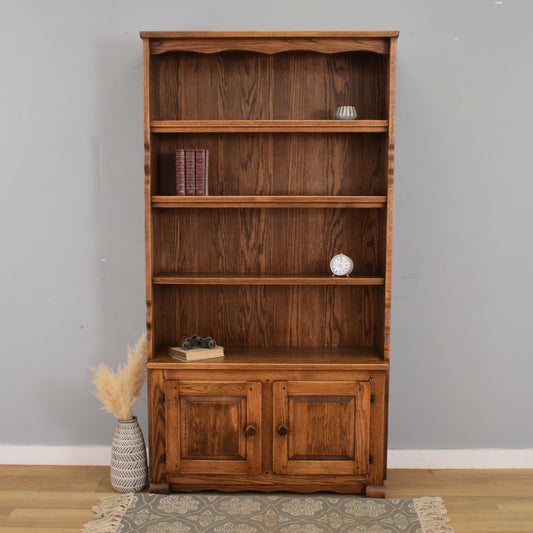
pixel 160 488
pixel 375 491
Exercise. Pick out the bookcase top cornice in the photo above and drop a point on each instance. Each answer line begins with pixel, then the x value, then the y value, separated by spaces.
pixel 265 34
pixel 269 42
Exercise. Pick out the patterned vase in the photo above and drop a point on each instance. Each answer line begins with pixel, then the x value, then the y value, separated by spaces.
pixel 129 472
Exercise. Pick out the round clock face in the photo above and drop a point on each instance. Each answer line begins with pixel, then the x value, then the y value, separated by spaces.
pixel 341 265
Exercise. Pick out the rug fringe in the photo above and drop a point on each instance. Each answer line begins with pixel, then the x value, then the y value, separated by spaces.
pixel 432 515
pixel 109 513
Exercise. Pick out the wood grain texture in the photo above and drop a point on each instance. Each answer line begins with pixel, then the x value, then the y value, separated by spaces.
pixel 280 417
pixel 262 279
pixel 173 423
pixel 387 238
pixel 267 374
pixel 282 164
pixel 46 519
pixel 156 427
pixel 268 316
pixel 160 488
pixel 206 423
pixel 379 424
pixel 302 202
pixel 282 358
pixel 375 491
pixel 212 429
pixel 269 483
pixel 271 45
pixel 328 427
pixel 243 86
pixel 362 428
pixel 46 478
pixel 149 189
pixel 267 241
pixel 258 34
pixel 269 126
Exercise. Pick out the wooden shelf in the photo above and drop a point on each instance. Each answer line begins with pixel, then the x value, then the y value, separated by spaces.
pixel 263 279
pixel 270 201
pixel 269 126
pixel 286 358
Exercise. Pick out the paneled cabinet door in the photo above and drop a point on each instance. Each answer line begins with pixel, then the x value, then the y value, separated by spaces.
pixel 213 427
pixel 321 427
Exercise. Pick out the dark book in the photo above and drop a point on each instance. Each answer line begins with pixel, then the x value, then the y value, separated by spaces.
pixel 190 172
pixel 180 172
pixel 165 167
pixel 201 159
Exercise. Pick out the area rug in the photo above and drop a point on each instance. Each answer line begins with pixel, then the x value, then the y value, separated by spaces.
pixel 272 513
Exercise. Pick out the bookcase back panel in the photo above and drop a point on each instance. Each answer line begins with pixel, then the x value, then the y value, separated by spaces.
pixel 252 86
pixel 284 163
pixel 267 241
pixel 269 316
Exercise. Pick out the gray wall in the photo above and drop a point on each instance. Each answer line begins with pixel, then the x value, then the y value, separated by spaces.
pixel 72 268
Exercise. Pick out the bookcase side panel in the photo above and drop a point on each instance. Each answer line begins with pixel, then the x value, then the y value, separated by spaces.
pixel 149 169
pixel 387 239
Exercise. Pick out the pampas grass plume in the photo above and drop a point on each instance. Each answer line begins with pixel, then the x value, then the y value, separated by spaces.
pixel 119 391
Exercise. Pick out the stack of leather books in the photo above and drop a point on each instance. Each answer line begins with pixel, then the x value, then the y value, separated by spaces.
pixel 191 171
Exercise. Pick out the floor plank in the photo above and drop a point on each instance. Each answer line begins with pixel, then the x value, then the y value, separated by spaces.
pixel 4 512
pixel 12 529
pixel 53 478
pixel 51 518
pixel 48 500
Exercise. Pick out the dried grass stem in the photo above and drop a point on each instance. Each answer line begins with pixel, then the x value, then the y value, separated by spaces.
pixel 119 391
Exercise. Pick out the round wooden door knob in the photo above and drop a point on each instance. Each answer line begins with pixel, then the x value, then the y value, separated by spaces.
pixel 250 431
pixel 283 429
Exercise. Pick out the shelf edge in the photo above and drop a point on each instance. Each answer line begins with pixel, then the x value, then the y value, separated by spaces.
pixel 369 202
pixel 269 126
pixel 206 279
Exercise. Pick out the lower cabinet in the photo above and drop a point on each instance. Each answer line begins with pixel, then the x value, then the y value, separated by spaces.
pixel 266 435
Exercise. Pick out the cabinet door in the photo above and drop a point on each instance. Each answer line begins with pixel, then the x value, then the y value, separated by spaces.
pixel 321 427
pixel 213 427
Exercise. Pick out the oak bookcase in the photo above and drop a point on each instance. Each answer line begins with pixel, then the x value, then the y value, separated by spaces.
pixel 300 400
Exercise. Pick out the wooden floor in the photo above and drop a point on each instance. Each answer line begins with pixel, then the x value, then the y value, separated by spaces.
pixel 58 499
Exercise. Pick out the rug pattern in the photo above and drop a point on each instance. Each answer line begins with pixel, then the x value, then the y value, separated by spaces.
pixel 259 513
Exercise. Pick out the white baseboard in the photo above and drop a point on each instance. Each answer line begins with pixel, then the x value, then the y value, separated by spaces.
pixel 55 455
pixel 476 458
pixel 100 455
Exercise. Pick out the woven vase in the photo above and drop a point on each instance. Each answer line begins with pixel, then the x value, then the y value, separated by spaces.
pixel 129 472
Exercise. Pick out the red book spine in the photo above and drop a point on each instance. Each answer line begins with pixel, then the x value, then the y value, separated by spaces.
pixel 180 172
pixel 200 159
pixel 190 173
